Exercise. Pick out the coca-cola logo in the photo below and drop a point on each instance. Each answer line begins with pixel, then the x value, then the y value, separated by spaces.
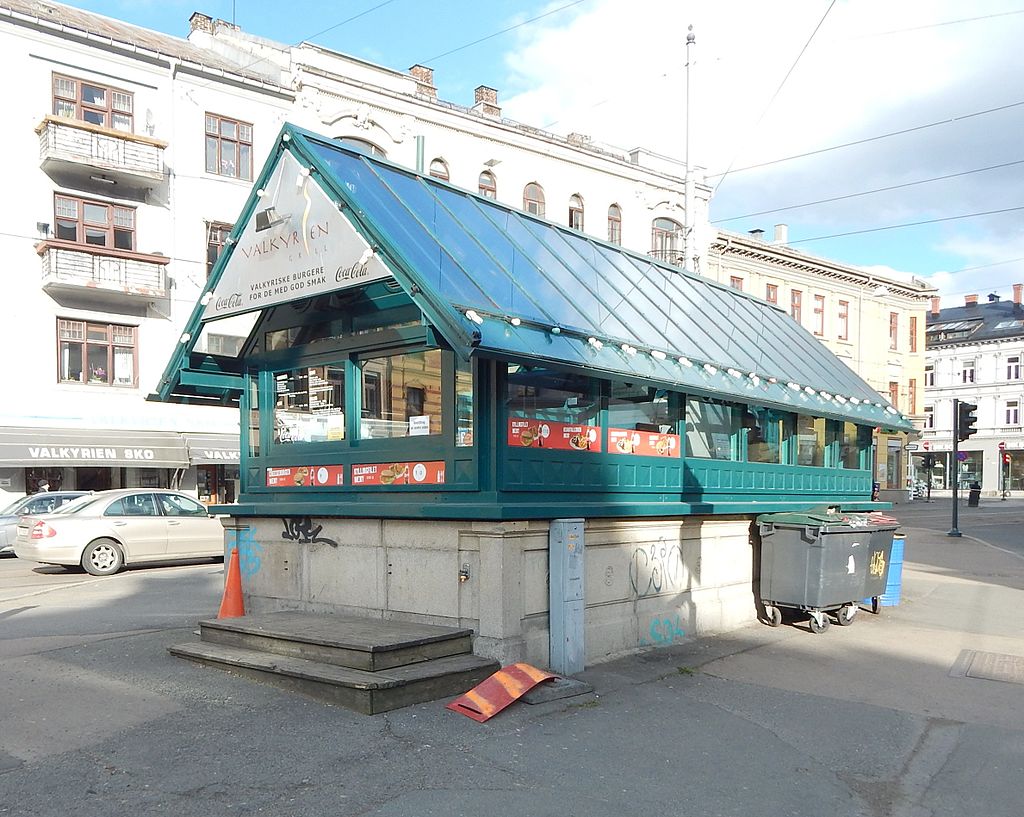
pixel 232 301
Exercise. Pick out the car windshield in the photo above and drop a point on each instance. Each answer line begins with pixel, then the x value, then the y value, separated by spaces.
pixel 13 508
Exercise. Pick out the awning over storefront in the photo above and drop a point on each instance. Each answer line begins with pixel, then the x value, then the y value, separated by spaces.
pixel 206 449
pixel 24 447
pixel 493 280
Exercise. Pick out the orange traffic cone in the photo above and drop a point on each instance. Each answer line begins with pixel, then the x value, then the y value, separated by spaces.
pixel 231 606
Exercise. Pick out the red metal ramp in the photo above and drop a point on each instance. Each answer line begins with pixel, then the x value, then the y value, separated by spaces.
pixel 493 694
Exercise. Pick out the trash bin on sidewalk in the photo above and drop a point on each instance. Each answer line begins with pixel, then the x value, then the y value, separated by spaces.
pixel 822 564
pixel 973 495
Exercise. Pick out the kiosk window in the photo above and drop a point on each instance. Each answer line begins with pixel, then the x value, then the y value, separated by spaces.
pixel 557 397
pixel 644 408
pixel 401 396
pixel 711 429
pixel 853 439
pixel 765 432
pixel 309 405
pixel 464 403
pixel 810 435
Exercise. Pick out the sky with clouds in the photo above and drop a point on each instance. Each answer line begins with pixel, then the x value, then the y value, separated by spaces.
pixel 844 119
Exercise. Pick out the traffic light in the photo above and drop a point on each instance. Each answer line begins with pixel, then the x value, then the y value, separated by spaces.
pixel 1006 458
pixel 965 420
pixel 928 462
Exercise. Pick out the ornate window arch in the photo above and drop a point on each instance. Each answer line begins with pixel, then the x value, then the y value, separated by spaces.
pixel 533 199
pixel 439 169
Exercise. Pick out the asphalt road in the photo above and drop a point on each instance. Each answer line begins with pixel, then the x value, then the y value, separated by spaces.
pixel 995 521
pixel 871 720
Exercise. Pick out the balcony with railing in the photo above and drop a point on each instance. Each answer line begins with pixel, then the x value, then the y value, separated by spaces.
pixel 669 255
pixel 74 148
pixel 103 273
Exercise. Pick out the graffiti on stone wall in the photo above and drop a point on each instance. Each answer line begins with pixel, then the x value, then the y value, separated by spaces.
pixel 249 550
pixel 662 631
pixel 655 569
pixel 303 531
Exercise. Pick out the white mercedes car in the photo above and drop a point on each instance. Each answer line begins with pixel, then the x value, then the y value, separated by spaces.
pixel 110 529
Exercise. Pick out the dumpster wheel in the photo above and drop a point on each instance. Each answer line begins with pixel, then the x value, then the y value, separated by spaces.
pixel 818 621
pixel 844 615
pixel 773 616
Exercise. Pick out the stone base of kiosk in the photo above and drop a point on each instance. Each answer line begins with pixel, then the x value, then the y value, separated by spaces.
pixel 648 583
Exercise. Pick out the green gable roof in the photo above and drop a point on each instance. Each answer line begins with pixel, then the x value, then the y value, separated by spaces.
pixel 496 281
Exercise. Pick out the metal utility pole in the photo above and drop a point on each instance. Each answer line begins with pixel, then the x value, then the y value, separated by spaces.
pixel 953 531
pixel 688 220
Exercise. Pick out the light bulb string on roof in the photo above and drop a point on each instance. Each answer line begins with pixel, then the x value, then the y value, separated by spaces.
pixel 478 316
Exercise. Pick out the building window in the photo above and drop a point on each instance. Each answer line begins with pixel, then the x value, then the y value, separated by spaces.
pixel 913 333
pixel 439 169
pixel 894 330
pixel 1013 368
pixel 666 240
pixel 796 298
pixel 362 145
pixel 929 376
pixel 894 393
pixel 487 185
pixel 576 213
pixel 844 320
pixel 736 282
pixel 911 396
pixel 819 315
pixel 765 434
pixel 967 372
pixel 216 238
pixel 96 104
pixel 810 440
pixel 615 224
pixel 102 353
pixel 1013 412
pixel 228 147
pixel 533 199
pixel 95 223
pixel 771 293
pixel 929 417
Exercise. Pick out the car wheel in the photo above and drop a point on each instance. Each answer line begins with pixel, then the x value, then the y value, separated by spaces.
pixel 103 558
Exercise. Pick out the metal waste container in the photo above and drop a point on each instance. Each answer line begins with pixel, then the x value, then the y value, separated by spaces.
pixel 821 563
pixel 973 495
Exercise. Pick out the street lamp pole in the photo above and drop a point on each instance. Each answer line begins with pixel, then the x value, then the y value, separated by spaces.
pixel 688 220
pixel 956 468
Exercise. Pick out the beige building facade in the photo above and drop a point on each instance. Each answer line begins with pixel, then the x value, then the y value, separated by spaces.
pixel 875 324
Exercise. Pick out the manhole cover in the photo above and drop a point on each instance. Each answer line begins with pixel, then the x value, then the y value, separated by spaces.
pixel 990 666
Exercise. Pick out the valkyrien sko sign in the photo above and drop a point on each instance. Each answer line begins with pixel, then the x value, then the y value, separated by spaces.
pixel 295 245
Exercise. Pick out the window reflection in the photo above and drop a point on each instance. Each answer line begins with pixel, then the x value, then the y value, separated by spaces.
pixel 644 408
pixel 558 397
pixel 401 396
pixel 310 405
pixel 765 432
pixel 464 404
pixel 711 429
pixel 810 437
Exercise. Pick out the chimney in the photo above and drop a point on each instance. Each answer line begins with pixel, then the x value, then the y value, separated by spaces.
pixel 486 100
pixel 970 300
pixel 757 233
pixel 424 80
pixel 781 234
pixel 935 305
pixel 1016 293
pixel 200 22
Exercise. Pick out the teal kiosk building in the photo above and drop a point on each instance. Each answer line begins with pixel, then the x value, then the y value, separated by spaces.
pixel 432 383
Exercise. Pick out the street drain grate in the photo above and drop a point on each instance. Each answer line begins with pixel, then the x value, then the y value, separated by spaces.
pixel 989 666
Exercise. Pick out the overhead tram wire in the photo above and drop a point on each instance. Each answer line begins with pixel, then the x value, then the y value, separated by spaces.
pixel 908 224
pixel 869 192
pixel 777 91
pixel 503 31
pixel 949 121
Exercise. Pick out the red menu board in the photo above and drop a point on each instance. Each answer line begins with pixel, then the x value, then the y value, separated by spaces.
pixel 399 473
pixel 643 443
pixel 306 476
pixel 558 436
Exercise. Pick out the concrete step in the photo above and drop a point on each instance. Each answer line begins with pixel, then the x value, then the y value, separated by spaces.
pixel 356 689
pixel 346 641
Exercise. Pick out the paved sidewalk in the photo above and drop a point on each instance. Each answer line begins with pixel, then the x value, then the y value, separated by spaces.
pixel 884 718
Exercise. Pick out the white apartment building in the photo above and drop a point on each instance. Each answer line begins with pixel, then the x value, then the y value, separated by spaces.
pixel 975 354
pixel 129 156
pixel 875 324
